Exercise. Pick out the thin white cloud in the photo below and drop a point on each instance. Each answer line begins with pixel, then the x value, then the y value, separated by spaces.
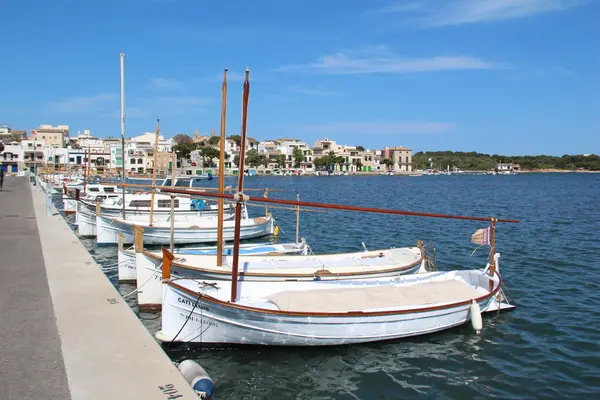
pixel 231 77
pixel 379 127
pixel 314 91
pixel 166 106
pixel 380 60
pixel 163 84
pixel 83 104
pixel 433 13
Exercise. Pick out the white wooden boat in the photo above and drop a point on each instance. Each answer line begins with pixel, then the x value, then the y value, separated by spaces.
pixel 138 209
pixel 324 313
pixel 275 268
pixel 95 192
pixel 187 229
pixel 127 259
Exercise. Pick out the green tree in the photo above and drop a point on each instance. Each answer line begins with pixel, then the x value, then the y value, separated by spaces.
pixel 280 159
pixel 253 158
pixel 181 138
pixel 184 149
pixel 360 148
pixel 387 162
pixel 298 156
pixel 214 140
pixel 236 138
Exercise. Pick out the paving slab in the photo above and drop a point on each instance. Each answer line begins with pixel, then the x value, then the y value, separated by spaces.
pixel 66 332
pixel 31 363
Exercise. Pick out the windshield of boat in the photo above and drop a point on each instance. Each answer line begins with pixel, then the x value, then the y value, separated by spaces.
pixel 183 182
pixel 167 182
pixel 197 182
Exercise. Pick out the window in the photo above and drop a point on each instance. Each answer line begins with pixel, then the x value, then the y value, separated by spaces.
pixel 93 189
pixel 167 182
pixel 140 160
pixel 182 182
pixel 109 189
pixel 132 161
pixel 139 203
pixel 167 203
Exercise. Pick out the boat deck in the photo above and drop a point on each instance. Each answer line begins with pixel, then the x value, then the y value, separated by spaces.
pixel 66 333
pixel 313 264
pixel 375 298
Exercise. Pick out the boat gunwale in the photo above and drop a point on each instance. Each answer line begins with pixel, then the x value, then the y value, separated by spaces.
pixel 291 276
pixel 256 222
pixel 228 304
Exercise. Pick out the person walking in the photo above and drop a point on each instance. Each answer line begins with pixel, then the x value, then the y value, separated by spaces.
pixel 1 176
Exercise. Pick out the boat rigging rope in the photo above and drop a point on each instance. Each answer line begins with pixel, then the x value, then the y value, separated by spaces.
pixel 140 288
pixel 186 320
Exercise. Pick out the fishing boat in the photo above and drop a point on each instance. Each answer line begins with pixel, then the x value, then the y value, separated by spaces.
pixel 94 193
pixel 188 229
pixel 276 266
pixel 325 313
pixel 127 267
pixel 139 207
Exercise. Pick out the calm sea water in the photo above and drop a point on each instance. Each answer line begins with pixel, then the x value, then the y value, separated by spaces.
pixel 548 348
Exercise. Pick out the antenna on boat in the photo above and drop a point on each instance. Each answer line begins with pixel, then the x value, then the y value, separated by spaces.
pixel 239 196
pixel 221 169
pixel 123 128
pixel 492 250
pixel 155 160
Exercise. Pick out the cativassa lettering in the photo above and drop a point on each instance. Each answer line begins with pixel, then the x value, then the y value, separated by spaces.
pixel 189 303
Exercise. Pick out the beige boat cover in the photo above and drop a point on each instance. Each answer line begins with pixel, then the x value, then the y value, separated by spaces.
pixel 370 298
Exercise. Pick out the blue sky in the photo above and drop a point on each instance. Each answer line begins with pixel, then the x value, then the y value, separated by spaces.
pixel 496 76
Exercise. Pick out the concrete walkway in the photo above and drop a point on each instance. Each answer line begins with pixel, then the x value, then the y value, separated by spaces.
pixel 65 332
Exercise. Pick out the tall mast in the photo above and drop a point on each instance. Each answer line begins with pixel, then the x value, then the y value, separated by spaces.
pixel 239 196
pixel 155 161
pixel 85 157
pixel 123 128
pixel 222 169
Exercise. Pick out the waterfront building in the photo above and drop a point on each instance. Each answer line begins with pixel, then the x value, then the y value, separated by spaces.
pixel 401 158
pixel 323 147
pixel 51 136
pixel 8 135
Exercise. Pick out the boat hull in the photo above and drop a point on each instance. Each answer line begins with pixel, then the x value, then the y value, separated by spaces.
pixel 87 217
pixel 127 258
pixel 188 318
pixel 107 231
pixel 149 275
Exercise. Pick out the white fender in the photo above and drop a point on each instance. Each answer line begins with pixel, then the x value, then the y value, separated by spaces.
pixel 476 319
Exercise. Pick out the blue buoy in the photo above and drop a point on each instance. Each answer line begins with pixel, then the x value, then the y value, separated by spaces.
pixel 198 378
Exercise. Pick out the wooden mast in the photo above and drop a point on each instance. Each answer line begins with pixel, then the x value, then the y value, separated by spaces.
pixel 493 250
pixel 298 220
pixel 123 129
pixel 154 170
pixel 239 197
pixel 85 159
pixel 172 225
pixel 221 169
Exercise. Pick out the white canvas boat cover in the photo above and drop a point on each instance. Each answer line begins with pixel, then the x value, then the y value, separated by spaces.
pixel 371 298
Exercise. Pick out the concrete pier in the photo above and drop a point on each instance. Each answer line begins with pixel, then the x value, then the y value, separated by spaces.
pixel 65 332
